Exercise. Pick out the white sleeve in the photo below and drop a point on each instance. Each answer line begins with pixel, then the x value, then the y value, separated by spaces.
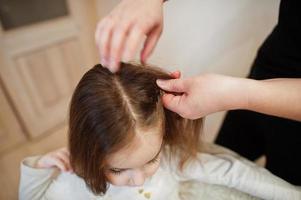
pixel 240 174
pixel 50 184
pixel 34 182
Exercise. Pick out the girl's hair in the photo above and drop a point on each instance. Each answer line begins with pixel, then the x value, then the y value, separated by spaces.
pixel 107 109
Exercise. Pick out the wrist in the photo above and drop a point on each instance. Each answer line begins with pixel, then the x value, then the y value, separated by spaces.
pixel 247 92
pixel 239 92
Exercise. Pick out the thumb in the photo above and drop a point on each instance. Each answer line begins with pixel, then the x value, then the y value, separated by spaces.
pixel 172 85
pixel 174 103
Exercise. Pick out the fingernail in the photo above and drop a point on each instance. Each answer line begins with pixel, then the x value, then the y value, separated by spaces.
pixel 160 82
pixel 103 62
pixel 112 64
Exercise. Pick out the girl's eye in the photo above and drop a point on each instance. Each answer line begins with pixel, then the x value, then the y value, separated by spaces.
pixel 153 161
pixel 118 171
pixel 115 171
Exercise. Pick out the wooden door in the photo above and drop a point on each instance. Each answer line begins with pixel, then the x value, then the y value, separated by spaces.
pixel 11 133
pixel 42 61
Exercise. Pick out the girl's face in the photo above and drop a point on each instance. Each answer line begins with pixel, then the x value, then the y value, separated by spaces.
pixel 133 165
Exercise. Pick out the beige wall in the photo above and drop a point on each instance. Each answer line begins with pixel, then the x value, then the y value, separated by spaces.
pixel 211 36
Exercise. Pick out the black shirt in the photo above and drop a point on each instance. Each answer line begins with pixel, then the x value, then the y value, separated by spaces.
pixel 281 51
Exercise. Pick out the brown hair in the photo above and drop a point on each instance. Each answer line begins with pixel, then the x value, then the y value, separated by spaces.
pixel 107 108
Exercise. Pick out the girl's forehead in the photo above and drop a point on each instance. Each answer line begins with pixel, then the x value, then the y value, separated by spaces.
pixel 141 150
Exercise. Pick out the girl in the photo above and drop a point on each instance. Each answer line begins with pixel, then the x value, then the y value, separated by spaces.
pixel 123 144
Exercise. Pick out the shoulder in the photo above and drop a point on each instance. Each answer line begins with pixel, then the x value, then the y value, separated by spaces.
pixel 208 152
pixel 211 160
pixel 69 185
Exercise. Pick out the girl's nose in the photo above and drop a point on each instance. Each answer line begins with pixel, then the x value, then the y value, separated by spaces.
pixel 137 177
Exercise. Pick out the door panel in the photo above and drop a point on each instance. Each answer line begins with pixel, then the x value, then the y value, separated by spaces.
pixel 43 62
pixel 11 133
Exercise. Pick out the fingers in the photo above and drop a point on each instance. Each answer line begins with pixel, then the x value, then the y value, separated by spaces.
pixel 120 34
pixel 150 43
pixel 172 85
pixel 174 103
pixel 63 156
pixel 59 163
pixel 103 38
pixel 135 38
pixel 66 151
pixel 58 158
pixel 116 43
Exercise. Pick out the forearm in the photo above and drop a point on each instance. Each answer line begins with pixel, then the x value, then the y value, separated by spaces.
pixel 277 97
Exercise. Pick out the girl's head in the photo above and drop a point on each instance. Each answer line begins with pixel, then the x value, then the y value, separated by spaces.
pixel 118 127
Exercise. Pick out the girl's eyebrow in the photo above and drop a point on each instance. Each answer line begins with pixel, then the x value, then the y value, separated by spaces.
pixel 121 169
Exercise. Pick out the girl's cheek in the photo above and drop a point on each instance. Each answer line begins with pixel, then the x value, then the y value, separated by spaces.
pixel 152 169
pixel 123 178
pixel 118 180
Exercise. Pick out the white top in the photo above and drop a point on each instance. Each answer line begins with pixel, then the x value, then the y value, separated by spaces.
pixel 219 175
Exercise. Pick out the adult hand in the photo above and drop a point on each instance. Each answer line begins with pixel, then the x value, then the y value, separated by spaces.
pixel 204 94
pixel 129 24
